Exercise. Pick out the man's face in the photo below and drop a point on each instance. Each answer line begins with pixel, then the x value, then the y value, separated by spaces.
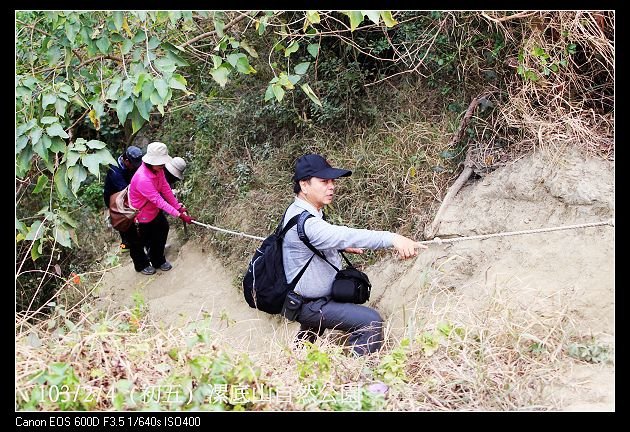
pixel 129 165
pixel 319 192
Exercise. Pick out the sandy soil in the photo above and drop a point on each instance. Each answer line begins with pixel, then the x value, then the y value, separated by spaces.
pixel 570 271
pixel 197 287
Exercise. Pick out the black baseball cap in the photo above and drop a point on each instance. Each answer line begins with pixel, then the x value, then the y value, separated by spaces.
pixel 314 165
pixel 134 155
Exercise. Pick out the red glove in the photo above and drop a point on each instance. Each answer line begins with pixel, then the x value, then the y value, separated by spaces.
pixel 183 209
pixel 185 218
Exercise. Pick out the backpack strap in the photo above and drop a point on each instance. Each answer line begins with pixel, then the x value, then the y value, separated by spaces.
pixel 297 278
pixel 302 235
pixel 281 233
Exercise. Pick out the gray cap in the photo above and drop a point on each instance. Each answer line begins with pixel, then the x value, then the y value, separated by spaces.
pixel 134 155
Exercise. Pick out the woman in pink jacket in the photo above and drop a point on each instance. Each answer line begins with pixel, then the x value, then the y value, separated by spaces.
pixel 150 192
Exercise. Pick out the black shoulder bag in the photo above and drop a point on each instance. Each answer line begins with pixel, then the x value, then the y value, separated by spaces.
pixel 350 285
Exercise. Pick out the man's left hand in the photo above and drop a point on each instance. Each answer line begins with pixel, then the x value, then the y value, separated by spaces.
pixel 354 250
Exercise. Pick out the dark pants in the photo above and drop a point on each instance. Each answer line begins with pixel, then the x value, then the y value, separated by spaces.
pixel 124 236
pixel 364 324
pixel 151 235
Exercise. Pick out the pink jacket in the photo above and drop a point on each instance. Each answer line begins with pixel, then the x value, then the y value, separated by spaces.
pixel 150 192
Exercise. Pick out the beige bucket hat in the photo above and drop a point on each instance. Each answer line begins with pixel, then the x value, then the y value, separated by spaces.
pixel 176 166
pixel 157 154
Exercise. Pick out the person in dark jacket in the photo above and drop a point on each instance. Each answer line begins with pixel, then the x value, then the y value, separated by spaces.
pixel 118 177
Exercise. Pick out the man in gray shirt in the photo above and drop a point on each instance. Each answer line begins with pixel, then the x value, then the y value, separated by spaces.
pixel 314 186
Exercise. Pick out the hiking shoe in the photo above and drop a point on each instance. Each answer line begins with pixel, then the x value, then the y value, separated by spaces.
pixel 148 270
pixel 166 266
pixel 124 247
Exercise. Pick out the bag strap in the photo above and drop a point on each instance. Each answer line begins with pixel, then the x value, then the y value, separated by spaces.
pixel 302 235
pixel 281 232
pixel 340 251
pixel 290 224
pixel 297 278
pixel 129 199
pixel 347 260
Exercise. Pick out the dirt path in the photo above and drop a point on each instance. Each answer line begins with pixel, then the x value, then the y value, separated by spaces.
pixel 198 286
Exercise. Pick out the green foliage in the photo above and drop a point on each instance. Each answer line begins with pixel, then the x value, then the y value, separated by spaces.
pixel 344 99
pixel 138 312
pixel 92 196
pixel 392 367
pixel 317 363
pixel 57 387
pixel 589 350
pixel 209 378
pixel 57 227
pixel 111 260
pixel 446 334
pixel 538 62
pixel 537 348
pixel 371 401
pixel 243 177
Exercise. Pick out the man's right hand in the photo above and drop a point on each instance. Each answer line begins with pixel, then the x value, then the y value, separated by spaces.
pixel 407 247
pixel 185 218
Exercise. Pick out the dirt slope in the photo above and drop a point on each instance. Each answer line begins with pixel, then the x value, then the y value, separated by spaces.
pixel 570 271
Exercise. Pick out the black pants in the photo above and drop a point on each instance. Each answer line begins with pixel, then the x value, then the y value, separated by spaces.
pixel 124 236
pixel 364 324
pixel 151 235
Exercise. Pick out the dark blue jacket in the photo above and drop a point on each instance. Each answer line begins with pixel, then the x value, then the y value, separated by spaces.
pixel 118 178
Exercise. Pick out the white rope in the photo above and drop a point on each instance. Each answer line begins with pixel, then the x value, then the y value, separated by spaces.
pixel 451 240
pixel 228 231
pixel 512 233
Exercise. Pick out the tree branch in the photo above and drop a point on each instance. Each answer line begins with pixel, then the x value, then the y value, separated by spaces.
pixel 78 120
pixel 509 17
pixel 86 62
pixel 210 33
pixel 431 230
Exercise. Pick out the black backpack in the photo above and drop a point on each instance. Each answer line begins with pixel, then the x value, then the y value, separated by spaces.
pixel 265 286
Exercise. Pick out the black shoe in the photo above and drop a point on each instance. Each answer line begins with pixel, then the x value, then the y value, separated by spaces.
pixel 148 270
pixel 166 266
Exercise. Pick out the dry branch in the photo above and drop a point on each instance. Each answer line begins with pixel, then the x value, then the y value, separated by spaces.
pixel 210 33
pixel 432 229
